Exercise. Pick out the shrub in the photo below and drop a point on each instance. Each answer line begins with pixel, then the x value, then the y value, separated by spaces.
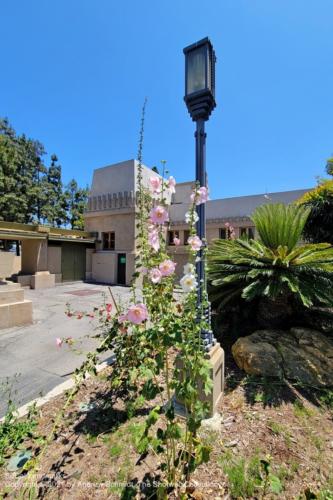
pixel 319 224
pixel 274 269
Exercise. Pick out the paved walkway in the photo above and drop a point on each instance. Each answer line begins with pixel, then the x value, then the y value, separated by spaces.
pixel 30 352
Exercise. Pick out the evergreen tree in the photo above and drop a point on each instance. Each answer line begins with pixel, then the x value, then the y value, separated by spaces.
pixel 31 192
pixel 318 228
pixel 20 158
pixel 76 202
pixel 54 208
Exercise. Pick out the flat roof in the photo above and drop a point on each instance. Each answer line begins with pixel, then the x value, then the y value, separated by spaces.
pixel 17 231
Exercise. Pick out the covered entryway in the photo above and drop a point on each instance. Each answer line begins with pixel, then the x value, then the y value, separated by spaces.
pixel 73 262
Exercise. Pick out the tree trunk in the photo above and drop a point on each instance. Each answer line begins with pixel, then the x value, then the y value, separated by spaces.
pixel 275 312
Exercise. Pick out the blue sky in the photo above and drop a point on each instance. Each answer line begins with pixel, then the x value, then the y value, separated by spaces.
pixel 74 74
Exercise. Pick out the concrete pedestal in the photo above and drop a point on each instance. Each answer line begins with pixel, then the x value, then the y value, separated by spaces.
pixel 41 279
pixel 14 310
pixel 215 358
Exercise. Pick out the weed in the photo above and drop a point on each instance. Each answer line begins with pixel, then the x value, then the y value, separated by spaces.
pixel 14 431
pixel 115 450
pixel 246 477
pixel 302 411
pixel 326 399
pixel 276 428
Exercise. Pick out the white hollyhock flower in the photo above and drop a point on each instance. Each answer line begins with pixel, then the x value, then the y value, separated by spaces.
pixel 188 283
pixel 188 217
pixel 189 268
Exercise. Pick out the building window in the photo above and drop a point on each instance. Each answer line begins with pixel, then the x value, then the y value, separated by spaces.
pixel 247 232
pixel 108 241
pixel 171 236
pixel 186 236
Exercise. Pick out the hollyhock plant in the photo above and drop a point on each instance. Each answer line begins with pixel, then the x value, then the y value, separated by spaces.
pixel 195 243
pixel 137 313
pixel 160 324
pixel 154 239
pixel 159 215
pixel 200 195
pixel 189 268
pixel 155 275
pixel 122 317
pixel 167 267
pixel 188 283
pixel 155 184
pixel 191 216
pixel 171 184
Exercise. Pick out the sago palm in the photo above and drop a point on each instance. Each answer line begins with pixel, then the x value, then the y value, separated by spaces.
pixel 274 266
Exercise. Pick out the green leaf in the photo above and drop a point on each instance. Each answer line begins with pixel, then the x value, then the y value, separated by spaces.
pixel 275 484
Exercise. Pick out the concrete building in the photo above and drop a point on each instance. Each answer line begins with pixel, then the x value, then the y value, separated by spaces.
pixel 111 218
pixel 106 251
pixel 48 255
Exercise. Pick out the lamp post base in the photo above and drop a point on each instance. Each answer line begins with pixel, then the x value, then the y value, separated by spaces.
pixel 215 357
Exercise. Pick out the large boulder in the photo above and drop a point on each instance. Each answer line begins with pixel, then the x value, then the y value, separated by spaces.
pixel 299 354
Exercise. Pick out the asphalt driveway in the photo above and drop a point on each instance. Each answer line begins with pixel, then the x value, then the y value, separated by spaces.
pixel 29 357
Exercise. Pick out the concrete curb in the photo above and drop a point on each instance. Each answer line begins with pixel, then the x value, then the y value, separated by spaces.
pixel 56 391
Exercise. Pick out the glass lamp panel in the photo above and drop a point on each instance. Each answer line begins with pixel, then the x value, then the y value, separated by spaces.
pixel 196 70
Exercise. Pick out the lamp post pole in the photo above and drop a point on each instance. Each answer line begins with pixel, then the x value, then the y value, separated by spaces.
pixel 200 177
pixel 200 101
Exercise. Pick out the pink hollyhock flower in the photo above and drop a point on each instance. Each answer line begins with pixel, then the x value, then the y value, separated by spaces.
pixel 108 308
pixel 176 241
pixel 79 315
pixel 200 195
pixel 195 243
pixel 137 313
pixel 59 342
pixel 122 317
pixel 158 215
pixel 167 267
pixel 172 184
pixel 154 239
pixel 155 184
pixel 155 275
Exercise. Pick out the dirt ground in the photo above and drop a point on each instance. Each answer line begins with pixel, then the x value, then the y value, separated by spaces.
pixel 264 423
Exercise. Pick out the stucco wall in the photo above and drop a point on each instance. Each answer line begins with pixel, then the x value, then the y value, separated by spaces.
pixel 17 264
pixel 104 267
pixel 122 224
pixel 54 262
pixel 54 259
pixel 34 256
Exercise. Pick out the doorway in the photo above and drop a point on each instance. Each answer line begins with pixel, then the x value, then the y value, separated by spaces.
pixel 121 272
pixel 73 262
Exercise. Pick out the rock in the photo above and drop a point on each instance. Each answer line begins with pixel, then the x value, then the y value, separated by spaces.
pixel 299 354
pixel 320 318
pixel 231 444
pixel 212 424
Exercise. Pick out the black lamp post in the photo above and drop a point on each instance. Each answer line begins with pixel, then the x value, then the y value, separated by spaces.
pixel 200 101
